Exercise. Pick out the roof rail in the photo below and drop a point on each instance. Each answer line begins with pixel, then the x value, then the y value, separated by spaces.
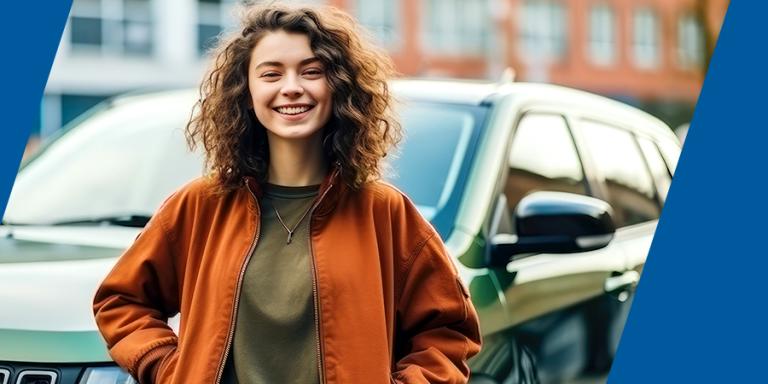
pixel 507 76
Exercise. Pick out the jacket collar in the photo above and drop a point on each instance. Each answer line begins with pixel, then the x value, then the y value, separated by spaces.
pixel 329 193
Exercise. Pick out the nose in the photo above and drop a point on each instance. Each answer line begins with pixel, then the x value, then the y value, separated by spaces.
pixel 292 87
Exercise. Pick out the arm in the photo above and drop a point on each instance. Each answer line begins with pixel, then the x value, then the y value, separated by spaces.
pixel 133 303
pixel 437 325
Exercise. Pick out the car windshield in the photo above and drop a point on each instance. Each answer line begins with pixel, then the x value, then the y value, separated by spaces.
pixel 117 166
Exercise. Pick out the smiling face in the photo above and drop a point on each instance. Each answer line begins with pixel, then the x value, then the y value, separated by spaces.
pixel 289 91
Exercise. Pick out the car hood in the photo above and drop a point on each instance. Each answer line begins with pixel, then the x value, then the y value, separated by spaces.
pixel 48 277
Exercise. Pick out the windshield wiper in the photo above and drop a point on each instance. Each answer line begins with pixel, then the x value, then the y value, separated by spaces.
pixel 137 221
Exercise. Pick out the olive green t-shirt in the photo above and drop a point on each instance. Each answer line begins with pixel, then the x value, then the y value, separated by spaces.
pixel 275 335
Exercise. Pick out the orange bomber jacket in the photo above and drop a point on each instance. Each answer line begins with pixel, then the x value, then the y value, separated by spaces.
pixel 389 305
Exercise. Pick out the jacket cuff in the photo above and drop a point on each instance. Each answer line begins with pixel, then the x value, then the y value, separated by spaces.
pixel 149 364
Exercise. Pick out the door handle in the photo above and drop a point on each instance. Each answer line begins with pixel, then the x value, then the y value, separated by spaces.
pixel 621 282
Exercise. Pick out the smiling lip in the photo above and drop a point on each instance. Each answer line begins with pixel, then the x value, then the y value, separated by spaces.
pixel 293 109
pixel 293 112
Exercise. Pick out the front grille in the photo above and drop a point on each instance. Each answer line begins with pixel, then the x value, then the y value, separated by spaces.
pixel 43 373
pixel 29 375
pixel 5 376
pixel 36 377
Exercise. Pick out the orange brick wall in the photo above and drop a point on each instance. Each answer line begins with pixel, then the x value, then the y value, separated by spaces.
pixel 666 82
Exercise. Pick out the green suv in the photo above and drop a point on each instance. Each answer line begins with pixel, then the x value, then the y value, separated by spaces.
pixel 546 197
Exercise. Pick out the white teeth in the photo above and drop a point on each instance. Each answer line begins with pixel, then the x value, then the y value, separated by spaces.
pixel 293 110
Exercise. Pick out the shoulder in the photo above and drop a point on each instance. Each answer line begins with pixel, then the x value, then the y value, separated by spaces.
pixel 199 205
pixel 414 235
pixel 384 197
pixel 389 201
pixel 382 192
pixel 191 198
pixel 200 189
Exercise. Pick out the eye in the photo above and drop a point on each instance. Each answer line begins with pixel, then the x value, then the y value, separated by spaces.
pixel 270 75
pixel 313 72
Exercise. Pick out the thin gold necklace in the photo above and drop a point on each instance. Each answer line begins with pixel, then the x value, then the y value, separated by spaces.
pixel 290 230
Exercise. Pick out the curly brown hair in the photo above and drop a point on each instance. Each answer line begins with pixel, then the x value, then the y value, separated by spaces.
pixel 362 128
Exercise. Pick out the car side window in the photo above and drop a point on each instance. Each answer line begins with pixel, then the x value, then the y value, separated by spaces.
pixel 671 152
pixel 543 157
pixel 657 166
pixel 629 185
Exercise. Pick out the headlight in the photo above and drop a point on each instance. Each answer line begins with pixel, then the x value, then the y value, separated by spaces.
pixel 106 375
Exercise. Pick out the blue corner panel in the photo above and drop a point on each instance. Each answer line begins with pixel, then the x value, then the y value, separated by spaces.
pixel 700 311
pixel 31 31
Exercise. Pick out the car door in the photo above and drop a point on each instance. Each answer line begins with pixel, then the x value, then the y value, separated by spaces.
pixel 624 179
pixel 662 178
pixel 635 187
pixel 544 157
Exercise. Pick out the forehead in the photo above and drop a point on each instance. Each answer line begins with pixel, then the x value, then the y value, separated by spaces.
pixel 281 46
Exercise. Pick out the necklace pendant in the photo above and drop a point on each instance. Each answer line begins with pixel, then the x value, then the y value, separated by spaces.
pixel 290 236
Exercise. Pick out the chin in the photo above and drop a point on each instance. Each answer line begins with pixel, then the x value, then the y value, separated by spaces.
pixel 297 133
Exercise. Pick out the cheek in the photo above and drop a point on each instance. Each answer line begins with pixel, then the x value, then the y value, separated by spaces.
pixel 327 112
pixel 259 100
pixel 260 107
pixel 327 97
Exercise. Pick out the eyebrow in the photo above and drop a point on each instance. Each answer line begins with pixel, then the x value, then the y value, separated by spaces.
pixel 279 64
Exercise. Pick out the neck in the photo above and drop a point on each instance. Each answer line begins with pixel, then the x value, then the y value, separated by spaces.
pixel 295 163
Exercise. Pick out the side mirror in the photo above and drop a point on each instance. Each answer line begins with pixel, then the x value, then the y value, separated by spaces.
pixel 554 222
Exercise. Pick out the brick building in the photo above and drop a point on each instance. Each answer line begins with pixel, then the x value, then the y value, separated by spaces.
pixel 650 53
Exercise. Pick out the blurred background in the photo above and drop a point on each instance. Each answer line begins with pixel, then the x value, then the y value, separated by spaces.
pixel 648 53
pixel 651 54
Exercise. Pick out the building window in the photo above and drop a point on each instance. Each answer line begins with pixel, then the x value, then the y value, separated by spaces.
pixel 690 42
pixel 113 27
pixel 543 26
pixel 213 16
pixel 217 16
pixel 645 39
pixel 381 18
pixel 602 35
pixel 458 26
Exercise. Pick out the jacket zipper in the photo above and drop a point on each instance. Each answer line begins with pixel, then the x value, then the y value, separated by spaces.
pixel 231 334
pixel 318 331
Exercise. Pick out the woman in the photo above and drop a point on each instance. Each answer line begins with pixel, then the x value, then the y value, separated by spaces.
pixel 290 262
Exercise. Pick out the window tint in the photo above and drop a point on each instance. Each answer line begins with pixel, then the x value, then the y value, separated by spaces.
pixel 628 184
pixel 656 164
pixel 432 153
pixel 542 158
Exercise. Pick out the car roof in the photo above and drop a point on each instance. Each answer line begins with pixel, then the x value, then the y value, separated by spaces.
pixel 473 92
pixel 483 92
